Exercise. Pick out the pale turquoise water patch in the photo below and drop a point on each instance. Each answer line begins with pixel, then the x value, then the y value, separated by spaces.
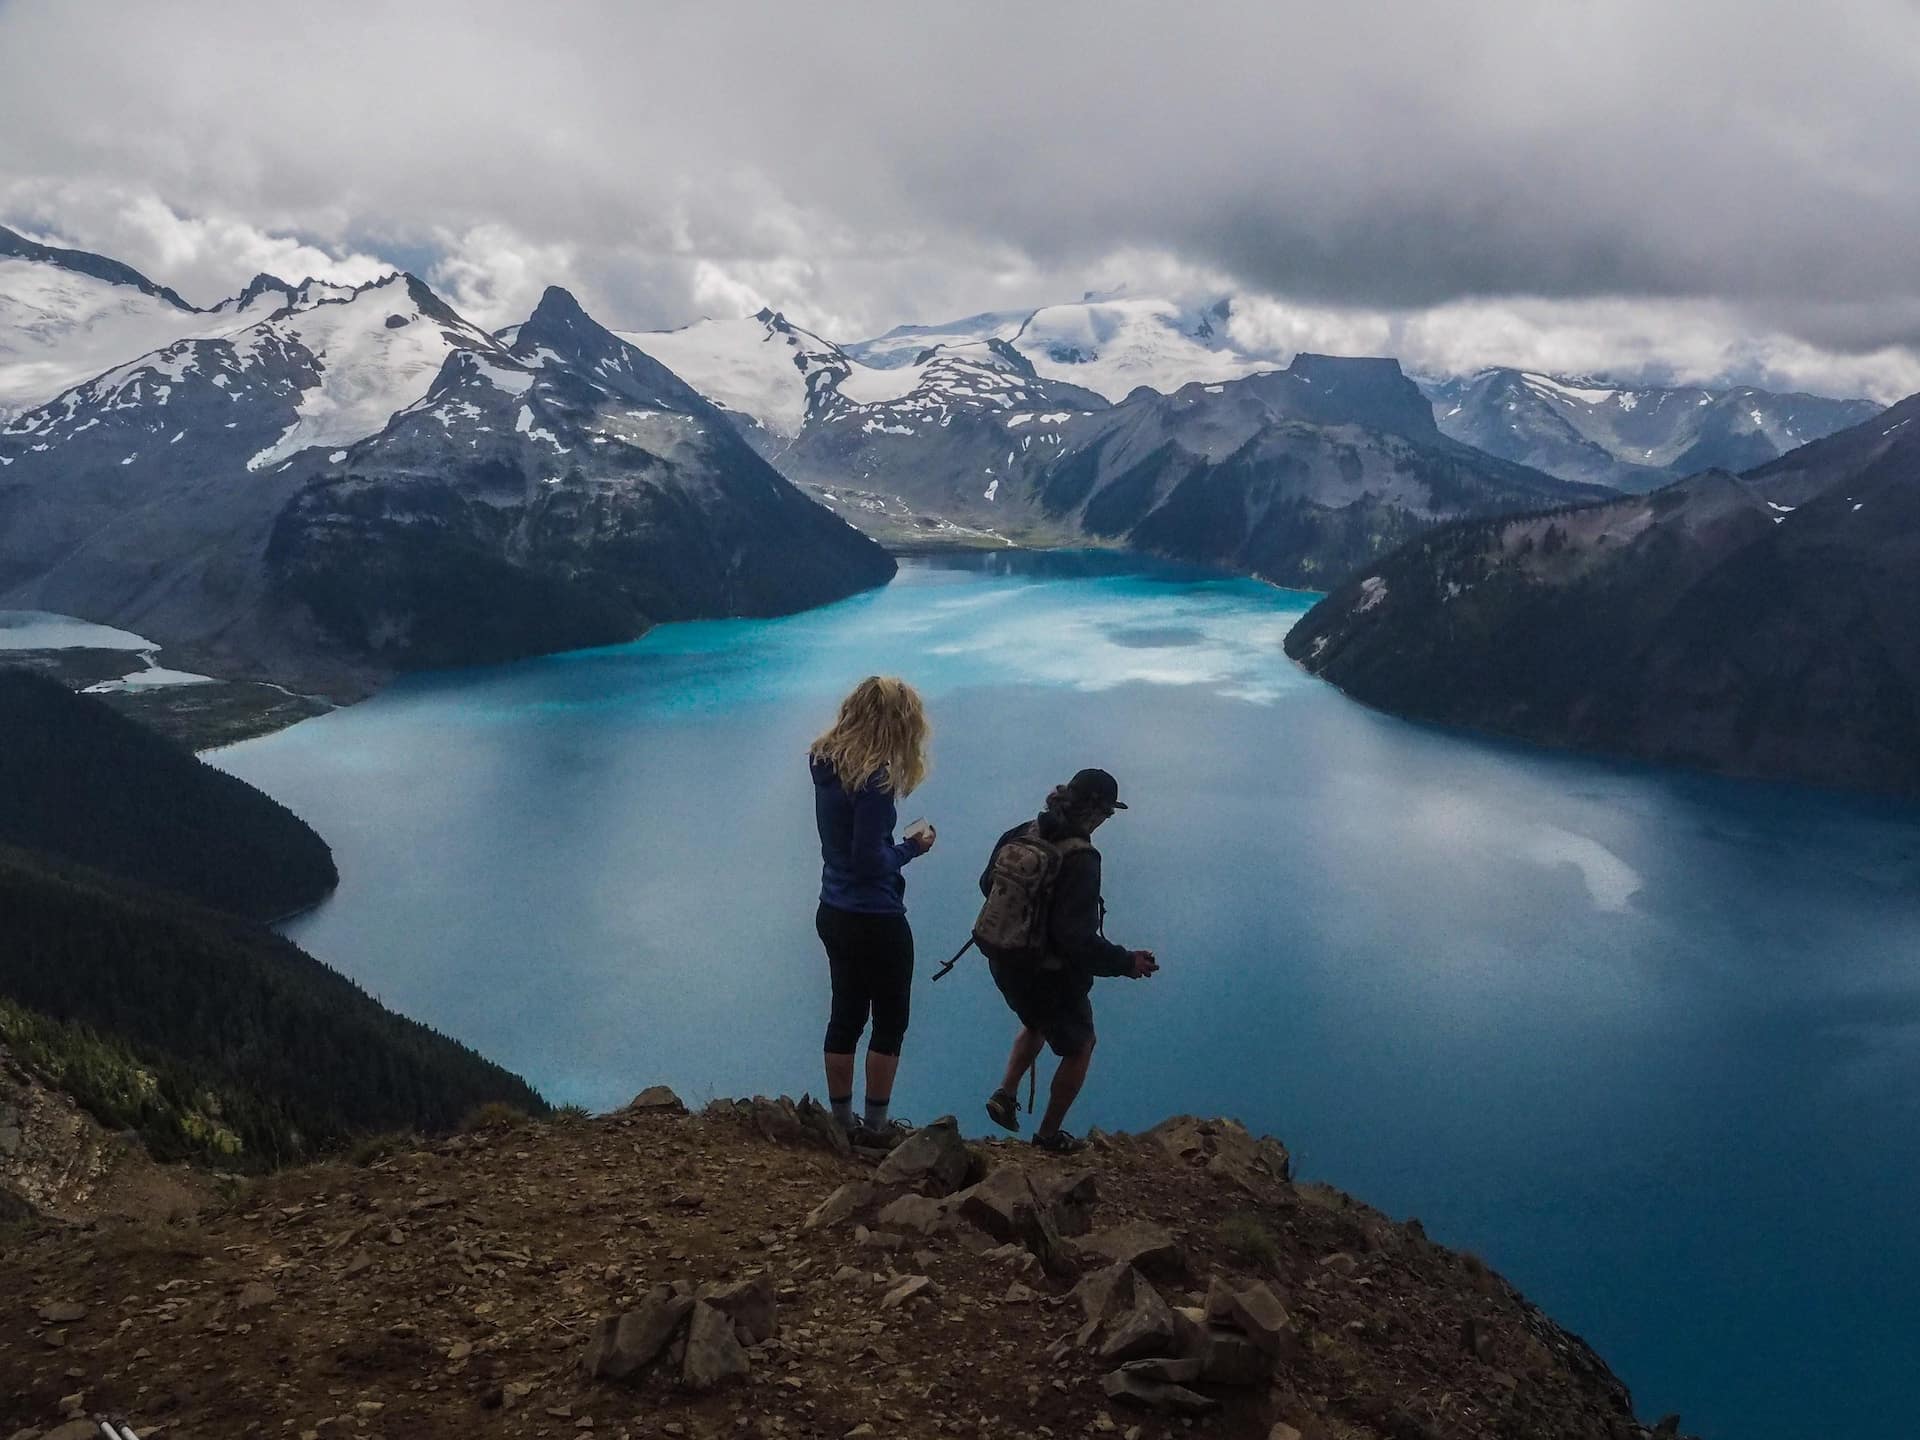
pixel 1649 1042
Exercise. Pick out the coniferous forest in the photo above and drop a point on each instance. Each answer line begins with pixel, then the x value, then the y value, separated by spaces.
pixel 83 783
pixel 135 972
pixel 210 1035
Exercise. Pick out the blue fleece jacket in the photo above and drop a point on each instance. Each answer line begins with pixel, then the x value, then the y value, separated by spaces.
pixel 860 862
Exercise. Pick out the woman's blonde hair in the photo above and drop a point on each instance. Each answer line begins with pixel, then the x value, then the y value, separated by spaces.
pixel 881 727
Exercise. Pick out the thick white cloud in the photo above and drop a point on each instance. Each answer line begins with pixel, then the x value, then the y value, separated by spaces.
pixel 1633 184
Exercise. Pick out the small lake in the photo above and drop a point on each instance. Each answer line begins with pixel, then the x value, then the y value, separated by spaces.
pixel 1648 1042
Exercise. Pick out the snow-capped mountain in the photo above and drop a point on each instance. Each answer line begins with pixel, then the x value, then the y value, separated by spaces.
pixel 780 378
pixel 67 315
pixel 965 420
pixel 148 494
pixel 1110 344
pixel 1291 474
pixel 374 349
pixel 1631 437
pixel 761 368
pixel 566 493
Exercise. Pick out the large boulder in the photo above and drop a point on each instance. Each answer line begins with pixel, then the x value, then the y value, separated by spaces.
pixel 1147 1248
pixel 657 1100
pixel 1009 1206
pixel 1226 1150
pixel 714 1353
pixel 622 1345
pixel 1253 1309
pixel 1227 1357
pixel 933 1157
pixel 749 1304
pixel 1125 1317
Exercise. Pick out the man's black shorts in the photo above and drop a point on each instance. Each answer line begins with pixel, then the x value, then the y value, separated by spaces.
pixel 1057 1003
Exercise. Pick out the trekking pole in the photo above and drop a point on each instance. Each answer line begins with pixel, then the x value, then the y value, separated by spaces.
pixel 941 973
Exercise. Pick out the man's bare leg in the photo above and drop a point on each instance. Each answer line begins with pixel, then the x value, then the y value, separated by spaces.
pixel 1026 1050
pixel 1067 1081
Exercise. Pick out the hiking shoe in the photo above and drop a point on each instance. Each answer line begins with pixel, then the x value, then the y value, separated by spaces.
pixel 1059 1142
pixel 1003 1108
pixel 887 1137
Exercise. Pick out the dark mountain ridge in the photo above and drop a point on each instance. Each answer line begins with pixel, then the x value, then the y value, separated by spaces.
pixel 190 494
pixel 85 262
pixel 1632 437
pixel 1294 475
pixel 1711 623
pixel 566 491
pixel 85 784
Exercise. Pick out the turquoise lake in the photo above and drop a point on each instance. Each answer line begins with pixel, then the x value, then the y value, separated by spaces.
pixel 1648 1042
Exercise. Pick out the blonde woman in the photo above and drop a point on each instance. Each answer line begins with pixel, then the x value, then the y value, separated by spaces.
pixel 875 753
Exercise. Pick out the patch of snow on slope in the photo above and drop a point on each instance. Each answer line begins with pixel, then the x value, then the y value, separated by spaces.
pixel 59 327
pixel 368 369
pixel 1548 388
pixel 756 366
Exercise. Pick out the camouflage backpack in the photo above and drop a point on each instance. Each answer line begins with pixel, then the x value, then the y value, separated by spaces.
pixel 1012 925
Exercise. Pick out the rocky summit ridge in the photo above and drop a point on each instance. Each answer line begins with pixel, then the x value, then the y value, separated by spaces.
pixel 744 1273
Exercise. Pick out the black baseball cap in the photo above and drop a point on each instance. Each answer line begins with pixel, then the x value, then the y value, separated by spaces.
pixel 1096 787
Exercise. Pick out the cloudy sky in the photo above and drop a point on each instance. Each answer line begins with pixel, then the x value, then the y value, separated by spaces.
pixel 1690 190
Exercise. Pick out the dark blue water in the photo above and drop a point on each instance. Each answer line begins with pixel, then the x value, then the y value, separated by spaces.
pixel 1648 1042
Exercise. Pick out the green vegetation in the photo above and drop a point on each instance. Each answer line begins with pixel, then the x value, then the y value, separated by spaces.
pixel 1246 1236
pixel 176 1116
pixel 494 1115
pixel 84 784
pixel 211 1035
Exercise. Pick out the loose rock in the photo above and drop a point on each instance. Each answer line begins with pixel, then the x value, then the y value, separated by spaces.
pixel 933 1155
pixel 714 1355
pixel 1147 1248
pixel 842 1205
pixel 749 1304
pixel 623 1344
pixel 656 1099
pixel 1126 1389
pixel 903 1292
pixel 916 1215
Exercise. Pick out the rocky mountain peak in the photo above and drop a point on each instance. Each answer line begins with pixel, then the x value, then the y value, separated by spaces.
pixel 261 285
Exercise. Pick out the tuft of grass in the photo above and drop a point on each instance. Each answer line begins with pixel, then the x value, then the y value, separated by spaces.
pixel 571 1114
pixel 494 1115
pixel 1243 1234
pixel 370 1149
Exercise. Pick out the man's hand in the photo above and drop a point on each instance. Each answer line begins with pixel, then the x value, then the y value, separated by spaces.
pixel 1144 964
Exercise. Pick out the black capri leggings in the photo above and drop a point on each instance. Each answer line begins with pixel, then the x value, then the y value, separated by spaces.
pixel 871 960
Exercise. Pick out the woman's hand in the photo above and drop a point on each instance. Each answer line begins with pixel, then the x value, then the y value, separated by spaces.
pixel 922 839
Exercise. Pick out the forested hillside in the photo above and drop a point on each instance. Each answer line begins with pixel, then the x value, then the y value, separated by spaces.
pixel 83 783
pixel 210 1035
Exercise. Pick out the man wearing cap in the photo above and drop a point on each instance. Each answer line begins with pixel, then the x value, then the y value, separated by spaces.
pixel 1052 1000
